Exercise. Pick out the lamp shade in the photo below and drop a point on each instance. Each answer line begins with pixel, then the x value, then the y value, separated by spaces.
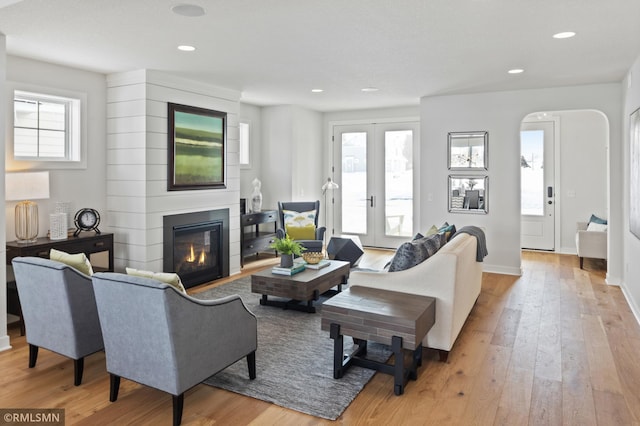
pixel 26 186
pixel 329 185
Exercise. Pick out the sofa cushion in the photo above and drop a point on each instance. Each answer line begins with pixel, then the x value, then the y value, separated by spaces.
pixel 78 261
pixel 414 252
pixel 164 277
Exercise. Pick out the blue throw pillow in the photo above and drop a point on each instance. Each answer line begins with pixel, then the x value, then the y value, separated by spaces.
pixel 414 252
pixel 596 219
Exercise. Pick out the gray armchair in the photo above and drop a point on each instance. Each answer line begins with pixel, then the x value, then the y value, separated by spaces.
pixel 159 337
pixel 592 244
pixel 58 309
pixel 314 245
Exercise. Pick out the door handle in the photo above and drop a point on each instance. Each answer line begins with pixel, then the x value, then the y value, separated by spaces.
pixel 371 201
pixel 549 191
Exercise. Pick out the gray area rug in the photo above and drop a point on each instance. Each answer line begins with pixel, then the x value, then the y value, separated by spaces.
pixel 294 360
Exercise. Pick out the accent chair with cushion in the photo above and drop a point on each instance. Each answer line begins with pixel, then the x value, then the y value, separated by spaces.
pixel 299 219
pixel 160 337
pixel 59 310
pixel 591 240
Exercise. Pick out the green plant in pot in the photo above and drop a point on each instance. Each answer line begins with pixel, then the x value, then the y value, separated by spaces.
pixel 287 248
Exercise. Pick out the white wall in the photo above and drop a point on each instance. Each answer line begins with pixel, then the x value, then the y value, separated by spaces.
pixel 253 115
pixel 81 187
pixel 631 272
pixel 291 154
pixel 4 338
pixel 137 196
pixel 500 113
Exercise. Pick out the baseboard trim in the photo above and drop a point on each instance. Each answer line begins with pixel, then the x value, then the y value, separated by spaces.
pixel 505 270
pixel 5 343
pixel 634 308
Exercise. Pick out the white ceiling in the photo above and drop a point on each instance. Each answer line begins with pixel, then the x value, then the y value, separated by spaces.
pixel 276 51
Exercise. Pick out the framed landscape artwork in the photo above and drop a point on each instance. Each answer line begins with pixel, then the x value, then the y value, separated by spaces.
pixel 197 147
pixel 634 204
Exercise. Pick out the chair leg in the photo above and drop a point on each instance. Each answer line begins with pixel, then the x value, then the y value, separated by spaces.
pixel 444 355
pixel 178 402
pixel 33 355
pixel 251 363
pixel 114 387
pixel 581 261
pixel 78 369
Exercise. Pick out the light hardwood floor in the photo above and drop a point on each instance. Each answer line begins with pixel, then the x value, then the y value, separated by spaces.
pixel 555 346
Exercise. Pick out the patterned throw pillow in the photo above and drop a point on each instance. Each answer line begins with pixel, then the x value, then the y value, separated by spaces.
pixel 447 230
pixel 414 252
pixel 300 225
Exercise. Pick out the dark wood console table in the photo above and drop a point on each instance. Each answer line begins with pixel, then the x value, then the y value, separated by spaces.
pixel 254 240
pixel 87 243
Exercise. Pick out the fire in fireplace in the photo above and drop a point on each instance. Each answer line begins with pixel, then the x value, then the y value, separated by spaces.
pixel 196 246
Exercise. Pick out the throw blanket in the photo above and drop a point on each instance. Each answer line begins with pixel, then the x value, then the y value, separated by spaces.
pixel 481 250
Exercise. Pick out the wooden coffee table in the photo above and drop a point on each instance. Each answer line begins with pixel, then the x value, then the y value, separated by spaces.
pixel 397 319
pixel 302 288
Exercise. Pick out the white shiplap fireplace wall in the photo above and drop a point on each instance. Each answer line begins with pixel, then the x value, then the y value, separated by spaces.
pixel 137 146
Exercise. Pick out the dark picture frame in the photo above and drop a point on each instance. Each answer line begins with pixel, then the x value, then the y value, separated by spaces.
pixel 634 178
pixel 197 148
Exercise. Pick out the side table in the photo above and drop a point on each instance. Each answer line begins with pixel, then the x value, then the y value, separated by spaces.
pixel 252 239
pixel 397 319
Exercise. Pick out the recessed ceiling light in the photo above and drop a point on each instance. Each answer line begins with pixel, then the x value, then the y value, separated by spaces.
pixel 186 48
pixel 370 89
pixel 566 34
pixel 516 71
pixel 188 10
pixel 317 90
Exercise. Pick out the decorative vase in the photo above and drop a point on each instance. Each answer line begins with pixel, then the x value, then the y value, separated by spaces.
pixel 256 196
pixel 286 260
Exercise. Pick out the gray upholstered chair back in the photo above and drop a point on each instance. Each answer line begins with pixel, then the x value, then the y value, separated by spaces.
pixel 165 339
pixel 58 307
pixel 302 206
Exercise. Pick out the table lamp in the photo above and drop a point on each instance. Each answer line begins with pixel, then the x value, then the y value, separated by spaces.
pixel 26 186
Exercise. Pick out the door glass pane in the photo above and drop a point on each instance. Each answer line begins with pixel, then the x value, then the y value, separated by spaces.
pixel 354 183
pixel 398 172
pixel 532 172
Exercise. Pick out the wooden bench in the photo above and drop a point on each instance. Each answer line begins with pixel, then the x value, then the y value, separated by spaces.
pixel 400 320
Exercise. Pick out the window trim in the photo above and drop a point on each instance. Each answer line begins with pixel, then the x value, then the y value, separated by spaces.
pixel 248 123
pixel 79 127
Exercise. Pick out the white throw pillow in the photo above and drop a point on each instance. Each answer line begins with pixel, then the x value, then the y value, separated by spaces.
pixel 598 227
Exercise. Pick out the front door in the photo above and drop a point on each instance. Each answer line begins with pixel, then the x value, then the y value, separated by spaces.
pixel 374 166
pixel 537 185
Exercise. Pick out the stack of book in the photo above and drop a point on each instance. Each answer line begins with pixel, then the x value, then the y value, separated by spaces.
pixel 297 267
pixel 323 263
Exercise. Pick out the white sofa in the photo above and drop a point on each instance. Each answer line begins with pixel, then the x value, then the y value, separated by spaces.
pixel 452 276
pixel 592 244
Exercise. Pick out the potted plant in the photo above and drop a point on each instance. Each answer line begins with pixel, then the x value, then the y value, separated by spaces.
pixel 287 248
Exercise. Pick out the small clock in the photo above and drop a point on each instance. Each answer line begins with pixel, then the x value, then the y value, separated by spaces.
pixel 86 219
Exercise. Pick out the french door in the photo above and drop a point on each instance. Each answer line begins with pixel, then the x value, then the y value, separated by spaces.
pixel 537 185
pixel 374 166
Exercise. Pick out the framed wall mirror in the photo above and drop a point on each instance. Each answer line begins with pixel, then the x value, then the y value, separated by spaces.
pixel 468 150
pixel 468 194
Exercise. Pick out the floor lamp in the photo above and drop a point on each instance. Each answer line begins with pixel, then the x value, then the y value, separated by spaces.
pixel 329 185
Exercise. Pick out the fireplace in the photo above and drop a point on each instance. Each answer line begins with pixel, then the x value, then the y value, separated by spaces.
pixel 196 246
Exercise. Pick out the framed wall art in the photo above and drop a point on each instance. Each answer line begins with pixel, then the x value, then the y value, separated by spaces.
pixel 197 148
pixel 467 150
